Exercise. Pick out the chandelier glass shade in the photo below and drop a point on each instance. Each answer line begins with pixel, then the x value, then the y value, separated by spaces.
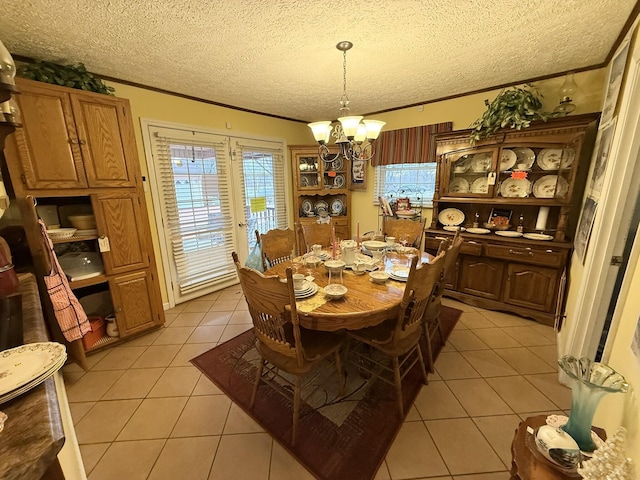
pixel 354 135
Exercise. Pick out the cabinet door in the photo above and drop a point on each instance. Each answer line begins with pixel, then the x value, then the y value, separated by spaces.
pixel 119 218
pixel 481 277
pixel 105 137
pixel 531 287
pixel 307 171
pixel 132 297
pixel 47 145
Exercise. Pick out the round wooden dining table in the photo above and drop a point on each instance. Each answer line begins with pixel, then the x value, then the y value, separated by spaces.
pixel 365 304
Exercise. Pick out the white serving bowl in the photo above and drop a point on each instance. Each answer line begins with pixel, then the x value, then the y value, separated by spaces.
pixel 406 213
pixel 335 291
pixel 83 222
pixel 379 277
pixel 61 233
pixel 334 266
pixel 374 245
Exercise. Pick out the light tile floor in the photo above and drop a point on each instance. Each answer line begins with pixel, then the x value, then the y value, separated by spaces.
pixel 143 411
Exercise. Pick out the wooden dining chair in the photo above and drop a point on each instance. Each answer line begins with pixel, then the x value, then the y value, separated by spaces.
pixel 313 234
pixel 283 345
pixel 399 337
pixel 403 229
pixel 278 245
pixel 431 320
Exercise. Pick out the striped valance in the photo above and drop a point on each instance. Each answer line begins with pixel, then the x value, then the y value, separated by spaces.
pixel 408 145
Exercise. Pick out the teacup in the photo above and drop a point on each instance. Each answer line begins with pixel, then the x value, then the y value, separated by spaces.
pixel 317 249
pixel 391 240
pixel 377 255
pixel 298 281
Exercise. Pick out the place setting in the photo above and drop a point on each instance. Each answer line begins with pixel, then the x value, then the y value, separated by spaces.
pixel 303 287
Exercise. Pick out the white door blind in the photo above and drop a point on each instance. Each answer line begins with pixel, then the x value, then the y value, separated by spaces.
pixel 195 189
pixel 263 183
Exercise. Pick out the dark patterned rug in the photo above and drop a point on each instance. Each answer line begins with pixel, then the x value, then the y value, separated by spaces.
pixel 339 437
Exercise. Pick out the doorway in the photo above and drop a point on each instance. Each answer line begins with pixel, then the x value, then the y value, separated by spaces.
pixel 210 192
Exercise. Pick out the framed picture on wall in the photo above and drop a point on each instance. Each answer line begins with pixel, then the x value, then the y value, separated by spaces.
pixel 614 82
pixel 358 175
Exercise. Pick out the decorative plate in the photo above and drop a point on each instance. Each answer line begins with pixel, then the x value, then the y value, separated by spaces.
pixel 21 365
pixel 337 164
pixel 552 158
pixel 306 206
pixel 321 206
pixel 462 164
pixel 304 182
pixel 459 185
pixel 451 216
pixel 508 159
pixel 524 158
pixel 508 233
pixel 537 236
pixel 336 207
pixel 480 231
pixel 480 185
pixel 550 186
pixel 515 188
pixel 338 182
pixel 481 162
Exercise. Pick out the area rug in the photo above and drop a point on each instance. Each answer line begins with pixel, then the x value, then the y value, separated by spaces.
pixel 339 437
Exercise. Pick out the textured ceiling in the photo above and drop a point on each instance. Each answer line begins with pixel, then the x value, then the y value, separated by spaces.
pixel 279 56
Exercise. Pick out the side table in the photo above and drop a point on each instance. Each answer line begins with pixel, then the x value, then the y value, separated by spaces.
pixel 525 465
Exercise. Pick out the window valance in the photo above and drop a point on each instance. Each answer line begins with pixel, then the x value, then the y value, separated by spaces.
pixel 408 145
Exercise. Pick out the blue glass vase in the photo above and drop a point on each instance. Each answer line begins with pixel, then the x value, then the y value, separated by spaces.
pixel 590 381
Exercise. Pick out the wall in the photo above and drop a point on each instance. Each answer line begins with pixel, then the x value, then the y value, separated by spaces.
pixel 623 409
pixel 461 111
pixel 170 108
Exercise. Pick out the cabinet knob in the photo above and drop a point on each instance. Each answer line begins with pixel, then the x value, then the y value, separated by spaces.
pixel 82 142
pixel 118 310
pixel 73 140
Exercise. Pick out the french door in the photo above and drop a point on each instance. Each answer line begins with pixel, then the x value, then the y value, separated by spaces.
pixel 210 193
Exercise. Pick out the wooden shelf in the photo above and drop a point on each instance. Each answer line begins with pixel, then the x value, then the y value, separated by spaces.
pixel 504 201
pixel 75 238
pixel 89 281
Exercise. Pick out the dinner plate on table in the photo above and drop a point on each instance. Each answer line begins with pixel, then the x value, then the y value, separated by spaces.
pixel 508 233
pixel 401 274
pixel 537 236
pixel 308 289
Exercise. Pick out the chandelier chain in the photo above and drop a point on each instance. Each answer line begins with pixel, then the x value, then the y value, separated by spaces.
pixel 345 98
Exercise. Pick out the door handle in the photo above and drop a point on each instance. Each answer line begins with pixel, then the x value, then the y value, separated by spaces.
pixel 515 252
pixel 243 224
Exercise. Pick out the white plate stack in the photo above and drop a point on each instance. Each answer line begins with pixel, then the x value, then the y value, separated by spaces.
pixel 308 289
pixel 27 366
pixel 400 274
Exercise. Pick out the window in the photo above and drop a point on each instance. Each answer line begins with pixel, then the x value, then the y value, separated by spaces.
pixel 416 181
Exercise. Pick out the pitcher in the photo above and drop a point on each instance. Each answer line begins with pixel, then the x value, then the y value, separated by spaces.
pixel 348 251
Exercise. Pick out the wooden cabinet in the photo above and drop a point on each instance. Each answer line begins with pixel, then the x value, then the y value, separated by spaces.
pixel 75 154
pixel 532 180
pixel 321 190
pixel 134 302
pixel 72 140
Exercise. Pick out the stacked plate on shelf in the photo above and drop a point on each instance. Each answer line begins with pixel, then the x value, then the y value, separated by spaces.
pixel 27 366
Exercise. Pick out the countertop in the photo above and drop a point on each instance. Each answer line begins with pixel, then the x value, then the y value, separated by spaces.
pixel 33 434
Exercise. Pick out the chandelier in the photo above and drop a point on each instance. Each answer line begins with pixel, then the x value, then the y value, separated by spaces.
pixel 350 133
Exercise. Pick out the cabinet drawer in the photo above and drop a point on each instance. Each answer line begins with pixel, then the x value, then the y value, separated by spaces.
pixel 549 257
pixel 433 243
pixel 470 247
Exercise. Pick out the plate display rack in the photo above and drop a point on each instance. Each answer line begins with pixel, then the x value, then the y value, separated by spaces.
pixel 320 190
pixel 532 180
